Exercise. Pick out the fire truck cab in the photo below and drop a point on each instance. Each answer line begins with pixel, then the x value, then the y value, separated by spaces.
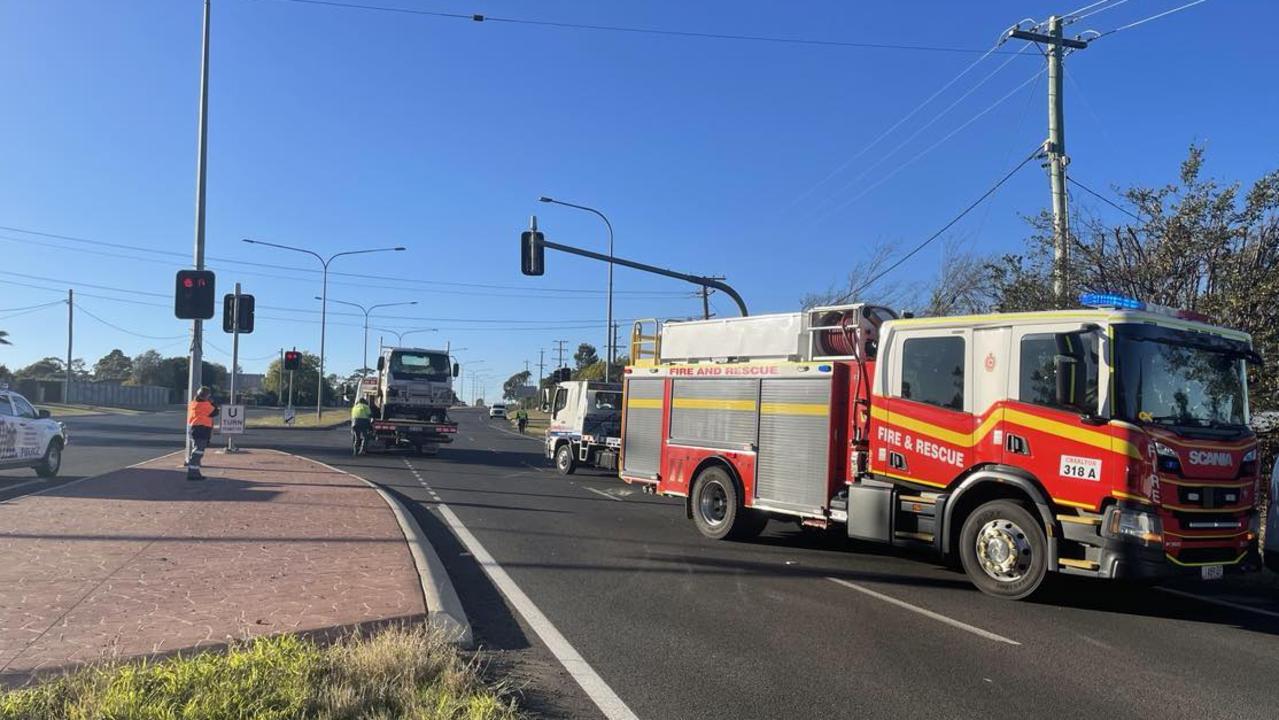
pixel 1110 441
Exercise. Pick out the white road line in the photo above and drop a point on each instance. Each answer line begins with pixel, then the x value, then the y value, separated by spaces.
pixel 1216 601
pixel 7 488
pixel 926 613
pixel 599 692
pixel 601 492
pixel 512 433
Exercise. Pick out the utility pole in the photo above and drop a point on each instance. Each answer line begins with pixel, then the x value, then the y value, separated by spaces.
pixel 541 365
pixel 279 389
pixel 706 298
pixel 559 348
pixel 196 376
pixel 235 354
pixel 66 384
pixel 1056 145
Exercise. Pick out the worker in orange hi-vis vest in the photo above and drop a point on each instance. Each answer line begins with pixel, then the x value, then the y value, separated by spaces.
pixel 200 414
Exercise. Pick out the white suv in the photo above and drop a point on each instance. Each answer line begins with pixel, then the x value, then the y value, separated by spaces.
pixel 497 410
pixel 28 438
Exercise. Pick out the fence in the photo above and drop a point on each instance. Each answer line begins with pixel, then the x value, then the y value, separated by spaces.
pixel 91 393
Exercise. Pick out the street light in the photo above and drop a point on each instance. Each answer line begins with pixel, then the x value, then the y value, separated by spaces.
pixel 366 310
pixel 324 304
pixel 608 365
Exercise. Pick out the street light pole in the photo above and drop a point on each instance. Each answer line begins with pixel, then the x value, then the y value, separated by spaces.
pixel 367 310
pixel 608 364
pixel 324 300
pixel 195 371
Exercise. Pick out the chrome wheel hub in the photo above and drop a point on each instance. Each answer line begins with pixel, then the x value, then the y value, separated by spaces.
pixel 713 504
pixel 1003 550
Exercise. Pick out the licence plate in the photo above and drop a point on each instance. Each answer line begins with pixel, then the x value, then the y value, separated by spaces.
pixel 419 429
pixel 1211 572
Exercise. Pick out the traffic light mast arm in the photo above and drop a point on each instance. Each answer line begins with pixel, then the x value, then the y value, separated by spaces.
pixel 695 279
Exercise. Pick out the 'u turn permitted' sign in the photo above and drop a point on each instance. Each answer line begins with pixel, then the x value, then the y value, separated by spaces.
pixel 232 419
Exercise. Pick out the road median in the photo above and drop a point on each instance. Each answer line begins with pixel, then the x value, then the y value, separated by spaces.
pixel 140 563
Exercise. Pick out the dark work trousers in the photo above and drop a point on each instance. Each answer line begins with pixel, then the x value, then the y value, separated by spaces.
pixel 200 436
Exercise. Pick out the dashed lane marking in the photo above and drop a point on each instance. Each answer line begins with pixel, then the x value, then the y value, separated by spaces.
pixel 601 492
pixel 926 613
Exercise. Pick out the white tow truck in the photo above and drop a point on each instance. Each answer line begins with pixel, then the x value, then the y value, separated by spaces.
pixel 28 437
pixel 410 397
pixel 586 424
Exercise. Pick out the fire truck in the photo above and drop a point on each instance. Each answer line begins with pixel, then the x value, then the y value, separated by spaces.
pixel 1110 441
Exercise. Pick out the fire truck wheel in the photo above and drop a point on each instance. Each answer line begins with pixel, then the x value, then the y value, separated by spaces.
pixel 717 508
pixel 1003 550
pixel 565 463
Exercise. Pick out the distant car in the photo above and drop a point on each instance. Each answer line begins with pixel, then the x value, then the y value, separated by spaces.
pixel 497 410
pixel 28 438
pixel 1272 522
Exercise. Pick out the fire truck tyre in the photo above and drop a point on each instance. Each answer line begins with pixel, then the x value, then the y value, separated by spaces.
pixel 1272 560
pixel 565 463
pixel 718 511
pixel 52 461
pixel 1003 550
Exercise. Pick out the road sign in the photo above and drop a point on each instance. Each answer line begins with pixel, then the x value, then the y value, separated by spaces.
pixel 232 419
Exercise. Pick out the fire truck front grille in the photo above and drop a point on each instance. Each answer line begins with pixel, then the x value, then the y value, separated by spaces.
pixel 1207 555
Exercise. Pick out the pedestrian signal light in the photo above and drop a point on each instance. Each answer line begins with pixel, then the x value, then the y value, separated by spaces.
pixel 193 297
pixel 532 253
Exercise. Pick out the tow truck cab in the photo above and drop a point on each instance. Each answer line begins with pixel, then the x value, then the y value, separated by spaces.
pixel 585 425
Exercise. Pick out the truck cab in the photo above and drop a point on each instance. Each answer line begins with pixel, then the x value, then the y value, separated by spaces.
pixel 412 383
pixel 585 425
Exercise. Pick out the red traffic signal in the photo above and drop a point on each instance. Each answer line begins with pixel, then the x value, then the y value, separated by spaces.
pixel 193 297
pixel 292 360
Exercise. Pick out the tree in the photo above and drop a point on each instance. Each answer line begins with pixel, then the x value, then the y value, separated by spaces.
pixel 50 368
pixel 115 365
pixel 585 355
pixel 146 369
pixel 6 376
pixel 304 381
pixel 595 371
pixel 513 388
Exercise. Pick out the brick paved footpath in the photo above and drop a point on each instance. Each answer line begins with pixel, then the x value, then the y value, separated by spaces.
pixel 141 561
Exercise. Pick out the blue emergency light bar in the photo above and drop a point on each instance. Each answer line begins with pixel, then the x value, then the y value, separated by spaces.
pixel 1110 300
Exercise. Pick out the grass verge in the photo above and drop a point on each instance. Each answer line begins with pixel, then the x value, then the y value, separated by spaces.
pixel 406 672
pixel 328 419
pixel 538 422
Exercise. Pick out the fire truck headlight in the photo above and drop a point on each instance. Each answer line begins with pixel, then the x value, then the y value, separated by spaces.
pixel 1167 459
pixel 1134 525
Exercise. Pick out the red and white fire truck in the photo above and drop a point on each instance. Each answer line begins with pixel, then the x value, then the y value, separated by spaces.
pixel 1110 441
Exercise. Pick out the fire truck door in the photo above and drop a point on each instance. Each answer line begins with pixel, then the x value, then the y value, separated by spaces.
pixel 1045 420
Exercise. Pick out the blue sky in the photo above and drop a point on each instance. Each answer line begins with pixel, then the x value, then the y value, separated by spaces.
pixel 339 129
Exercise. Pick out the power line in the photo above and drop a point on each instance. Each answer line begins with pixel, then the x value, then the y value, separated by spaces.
pixel 918 131
pixel 945 227
pixel 1102 198
pixel 930 148
pixel 1076 18
pixel 524 291
pixel 638 30
pixel 33 307
pixel 1156 16
pixel 844 165
pixel 81 308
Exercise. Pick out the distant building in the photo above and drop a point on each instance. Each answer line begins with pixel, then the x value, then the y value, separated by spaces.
pixel 249 382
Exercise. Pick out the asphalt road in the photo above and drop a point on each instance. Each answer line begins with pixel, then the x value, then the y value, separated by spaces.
pixel 793 623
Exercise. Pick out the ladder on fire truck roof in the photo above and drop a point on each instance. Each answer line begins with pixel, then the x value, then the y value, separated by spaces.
pixel 646 349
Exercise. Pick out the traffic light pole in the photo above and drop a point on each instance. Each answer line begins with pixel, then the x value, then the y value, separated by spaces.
pixel 195 377
pixel 235 354
pixel 709 282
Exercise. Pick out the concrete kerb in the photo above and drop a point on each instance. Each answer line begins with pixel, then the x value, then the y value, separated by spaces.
pixel 443 607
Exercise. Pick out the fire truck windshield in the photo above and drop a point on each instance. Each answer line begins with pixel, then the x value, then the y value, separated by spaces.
pixel 1180 378
pixel 419 366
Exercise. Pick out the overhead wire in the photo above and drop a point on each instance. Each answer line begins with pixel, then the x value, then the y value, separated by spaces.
pixel 1070 179
pixel 1145 20
pixel 32 307
pixel 933 121
pixel 477 17
pixel 853 293
pixel 81 308
pixel 1111 6
pixel 930 148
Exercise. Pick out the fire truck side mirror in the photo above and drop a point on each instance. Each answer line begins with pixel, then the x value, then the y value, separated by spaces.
pixel 532 253
pixel 457 369
pixel 544 400
pixel 381 364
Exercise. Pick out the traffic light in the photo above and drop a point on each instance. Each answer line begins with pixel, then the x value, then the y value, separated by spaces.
pixel 532 253
pixel 562 375
pixel 246 313
pixel 193 295
pixel 292 360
